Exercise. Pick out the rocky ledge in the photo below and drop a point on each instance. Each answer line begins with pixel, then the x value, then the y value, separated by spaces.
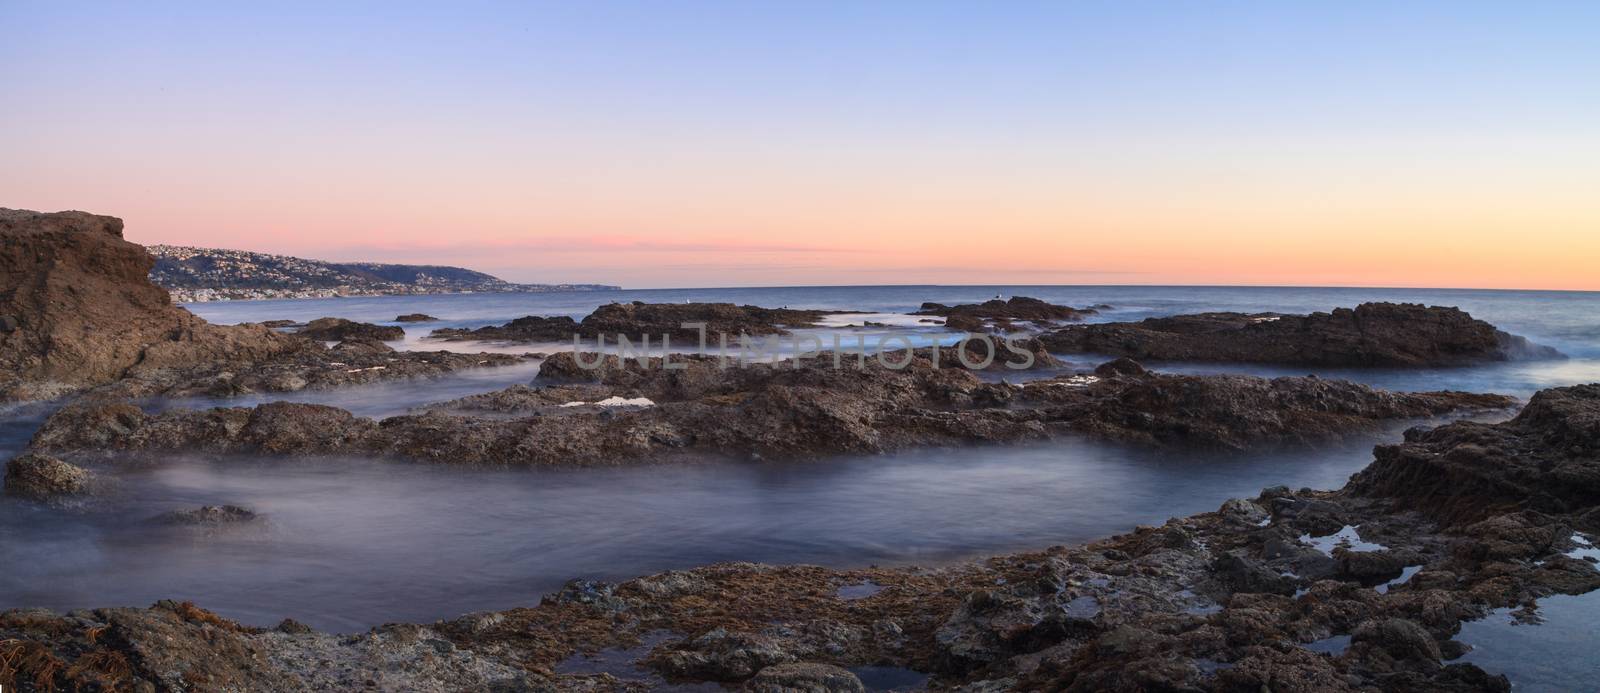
pixel 1354 590
pixel 340 329
pixel 1370 335
pixel 1002 315
pixel 625 413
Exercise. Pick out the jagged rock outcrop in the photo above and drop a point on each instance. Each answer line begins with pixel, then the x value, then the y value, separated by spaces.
pixel 531 328
pixel 1370 335
pixel 83 312
pixel 1547 460
pixel 340 329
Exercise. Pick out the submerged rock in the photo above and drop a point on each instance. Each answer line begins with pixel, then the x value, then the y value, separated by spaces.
pixel 415 317
pixel 340 329
pixel 207 515
pixel 42 477
pixel 1371 334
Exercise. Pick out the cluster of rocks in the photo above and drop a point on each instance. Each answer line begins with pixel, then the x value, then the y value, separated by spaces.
pixel 1370 335
pixel 1258 595
pixel 638 320
pixel 795 409
pixel 1002 315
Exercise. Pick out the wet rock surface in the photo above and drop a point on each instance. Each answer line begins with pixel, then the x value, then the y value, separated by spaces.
pixel 1246 598
pixel 624 413
pixel 42 477
pixel 1371 334
pixel 637 320
pixel 340 329
pixel 415 317
pixel 207 515
pixel 531 328
pixel 1002 315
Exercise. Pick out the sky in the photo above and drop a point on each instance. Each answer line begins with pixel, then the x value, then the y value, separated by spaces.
pixel 668 144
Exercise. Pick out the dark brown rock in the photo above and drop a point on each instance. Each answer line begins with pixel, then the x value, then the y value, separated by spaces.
pixel 207 515
pixel 415 317
pixel 86 314
pixel 1546 459
pixel 1371 335
pixel 42 477
pixel 531 328
pixel 637 320
pixel 340 329
pixel 1016 308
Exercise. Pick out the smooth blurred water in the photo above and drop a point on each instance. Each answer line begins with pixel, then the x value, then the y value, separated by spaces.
pixel 346 544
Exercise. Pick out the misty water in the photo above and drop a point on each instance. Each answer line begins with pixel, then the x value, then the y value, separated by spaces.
pixel 346 544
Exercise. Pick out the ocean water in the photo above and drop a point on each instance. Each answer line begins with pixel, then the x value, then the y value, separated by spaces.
pixel 345 544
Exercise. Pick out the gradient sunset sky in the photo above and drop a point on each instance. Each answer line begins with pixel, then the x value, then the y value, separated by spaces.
pixel 658 144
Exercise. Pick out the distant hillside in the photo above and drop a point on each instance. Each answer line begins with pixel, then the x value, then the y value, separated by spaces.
pixel 211 274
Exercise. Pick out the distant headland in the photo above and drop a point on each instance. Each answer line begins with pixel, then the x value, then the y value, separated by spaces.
pixel 193 275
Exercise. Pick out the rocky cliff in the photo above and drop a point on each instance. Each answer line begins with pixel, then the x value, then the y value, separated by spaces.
pixel 77 309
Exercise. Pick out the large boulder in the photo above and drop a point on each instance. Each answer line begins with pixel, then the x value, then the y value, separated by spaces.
pixel 42 476
pixel 77 309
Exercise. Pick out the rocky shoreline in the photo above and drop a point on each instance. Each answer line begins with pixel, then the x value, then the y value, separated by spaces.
pixel 1356 589
pixel 794 409
pixel 1363 588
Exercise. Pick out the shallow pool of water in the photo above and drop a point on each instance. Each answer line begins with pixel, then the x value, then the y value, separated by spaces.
pixel 345 544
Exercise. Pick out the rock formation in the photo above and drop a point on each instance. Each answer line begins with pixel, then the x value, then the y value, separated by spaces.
pixel 1002 315
pixel 531 328
pixel 1370 335
pixel 82 311
pixel 638 319
pixel 78 312
pixel 42 477
pixel 776 410
pixel 340 329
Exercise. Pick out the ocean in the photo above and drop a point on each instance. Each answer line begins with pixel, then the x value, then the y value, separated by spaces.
pixel 352 543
